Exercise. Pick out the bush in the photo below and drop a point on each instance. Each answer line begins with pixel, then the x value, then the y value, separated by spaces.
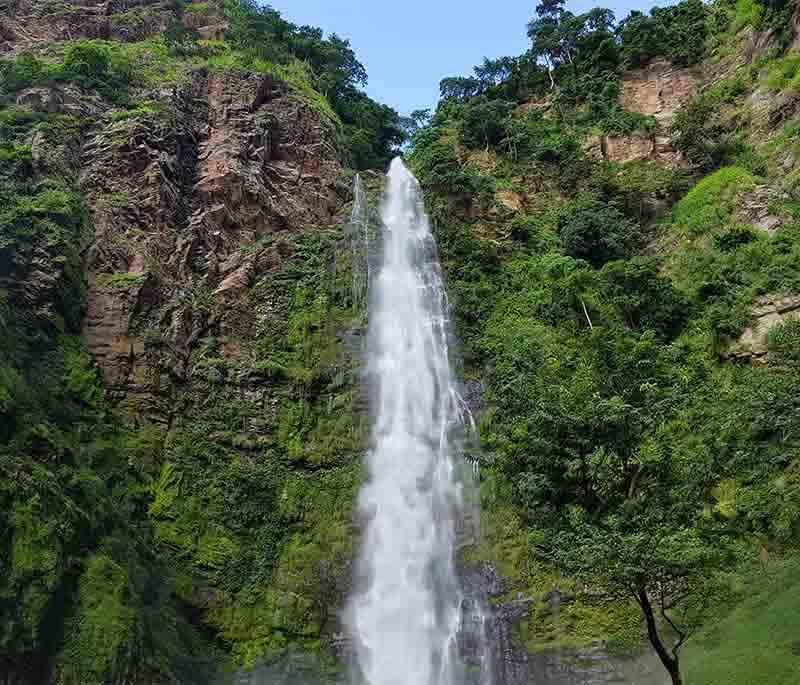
pixel 597 231
pixel 24 71
pixel 709 205
pixel 483 122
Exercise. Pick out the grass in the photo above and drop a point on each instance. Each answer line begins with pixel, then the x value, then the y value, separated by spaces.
pixel 758 642
pixel 784 73
pixel 122 279
pixel 196 7
pixel 296 74
pixel 710 204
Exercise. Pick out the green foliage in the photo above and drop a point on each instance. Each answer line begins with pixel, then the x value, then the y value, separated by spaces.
pixel 263 37
pixel 784 73
pixel 709 204
pixel 627 455
pixel 483 122
pixel 677 32
pixel 709 140
pixel 597 231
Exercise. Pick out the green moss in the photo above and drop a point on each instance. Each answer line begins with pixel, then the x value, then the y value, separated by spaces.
pixel 709 205
pixel 580 619
pixel 121 280
pixel 583 621
pixel 103 624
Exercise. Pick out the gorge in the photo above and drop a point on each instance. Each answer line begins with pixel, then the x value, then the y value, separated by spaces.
pixel 232 408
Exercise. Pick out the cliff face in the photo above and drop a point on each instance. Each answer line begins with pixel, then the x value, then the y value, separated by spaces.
pixel 193 199
pixel 185 238
pixel 180 420
pixel 33 24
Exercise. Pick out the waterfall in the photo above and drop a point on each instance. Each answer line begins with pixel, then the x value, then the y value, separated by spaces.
pixel 358 236
pixel 407 613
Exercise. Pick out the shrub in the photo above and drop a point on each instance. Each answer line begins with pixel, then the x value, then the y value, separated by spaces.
pixel 597 231
pixel 483 122
pixel 709 205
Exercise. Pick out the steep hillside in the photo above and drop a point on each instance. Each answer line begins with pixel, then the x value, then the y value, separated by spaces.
pixel 181 425
pixel 617 211
pixel 180 429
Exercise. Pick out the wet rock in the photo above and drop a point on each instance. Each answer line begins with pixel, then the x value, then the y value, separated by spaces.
pixel 473 393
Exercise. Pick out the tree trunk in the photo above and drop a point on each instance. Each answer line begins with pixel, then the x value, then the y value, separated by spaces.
pixel 670 661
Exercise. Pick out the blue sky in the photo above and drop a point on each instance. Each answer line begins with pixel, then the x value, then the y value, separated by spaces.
pixel 410 45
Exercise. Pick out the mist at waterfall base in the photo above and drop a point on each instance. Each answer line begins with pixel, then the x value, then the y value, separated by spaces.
pixel 407 608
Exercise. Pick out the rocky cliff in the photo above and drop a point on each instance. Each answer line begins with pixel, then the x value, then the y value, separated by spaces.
pixel 180 416
pixel 191 241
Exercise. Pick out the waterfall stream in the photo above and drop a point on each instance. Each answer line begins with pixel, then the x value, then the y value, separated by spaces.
pixel 407 613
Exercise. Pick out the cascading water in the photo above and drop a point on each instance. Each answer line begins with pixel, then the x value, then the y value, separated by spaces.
pixel 406 614
pixel 358 235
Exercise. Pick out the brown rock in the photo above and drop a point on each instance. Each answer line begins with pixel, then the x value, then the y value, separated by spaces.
pixel 182 197
pixel 768 311
pixel 754 209
pixel 657 89
pixel 34 25
pixel 111 309
pixel 628 148
pixel 509 199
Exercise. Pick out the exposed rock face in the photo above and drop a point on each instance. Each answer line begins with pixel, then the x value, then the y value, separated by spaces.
pixel 657 89
pixel 513 664
pixel 184 205
pixel 768 311
pixel 755 208
pixel 33 24
pixel 635 147
pixel 769 110
pixel 628 148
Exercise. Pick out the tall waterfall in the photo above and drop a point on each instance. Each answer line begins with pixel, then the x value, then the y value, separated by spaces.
pixel 406 612
pixel 358 235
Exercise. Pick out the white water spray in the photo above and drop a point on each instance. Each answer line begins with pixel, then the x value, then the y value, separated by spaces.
pixel 406 613
pixel 358 235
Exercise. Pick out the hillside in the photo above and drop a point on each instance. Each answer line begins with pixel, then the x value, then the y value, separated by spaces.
pixel 182 313
pixel 617 212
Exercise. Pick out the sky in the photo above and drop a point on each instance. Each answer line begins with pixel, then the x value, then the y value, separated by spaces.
pixel 408 46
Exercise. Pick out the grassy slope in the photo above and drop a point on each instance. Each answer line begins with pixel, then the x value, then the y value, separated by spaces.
pixel 757 643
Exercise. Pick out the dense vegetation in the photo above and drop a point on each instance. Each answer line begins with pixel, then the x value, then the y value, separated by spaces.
pixel 630 459
pixel 324 71
pixel 625 453
pixel 131 551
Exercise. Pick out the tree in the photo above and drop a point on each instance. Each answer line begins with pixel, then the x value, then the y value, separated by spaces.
pixel 493 72
pixel 597 231
pixel 459 88
pixel 653 552
pixel 484 121
pixel 583 43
